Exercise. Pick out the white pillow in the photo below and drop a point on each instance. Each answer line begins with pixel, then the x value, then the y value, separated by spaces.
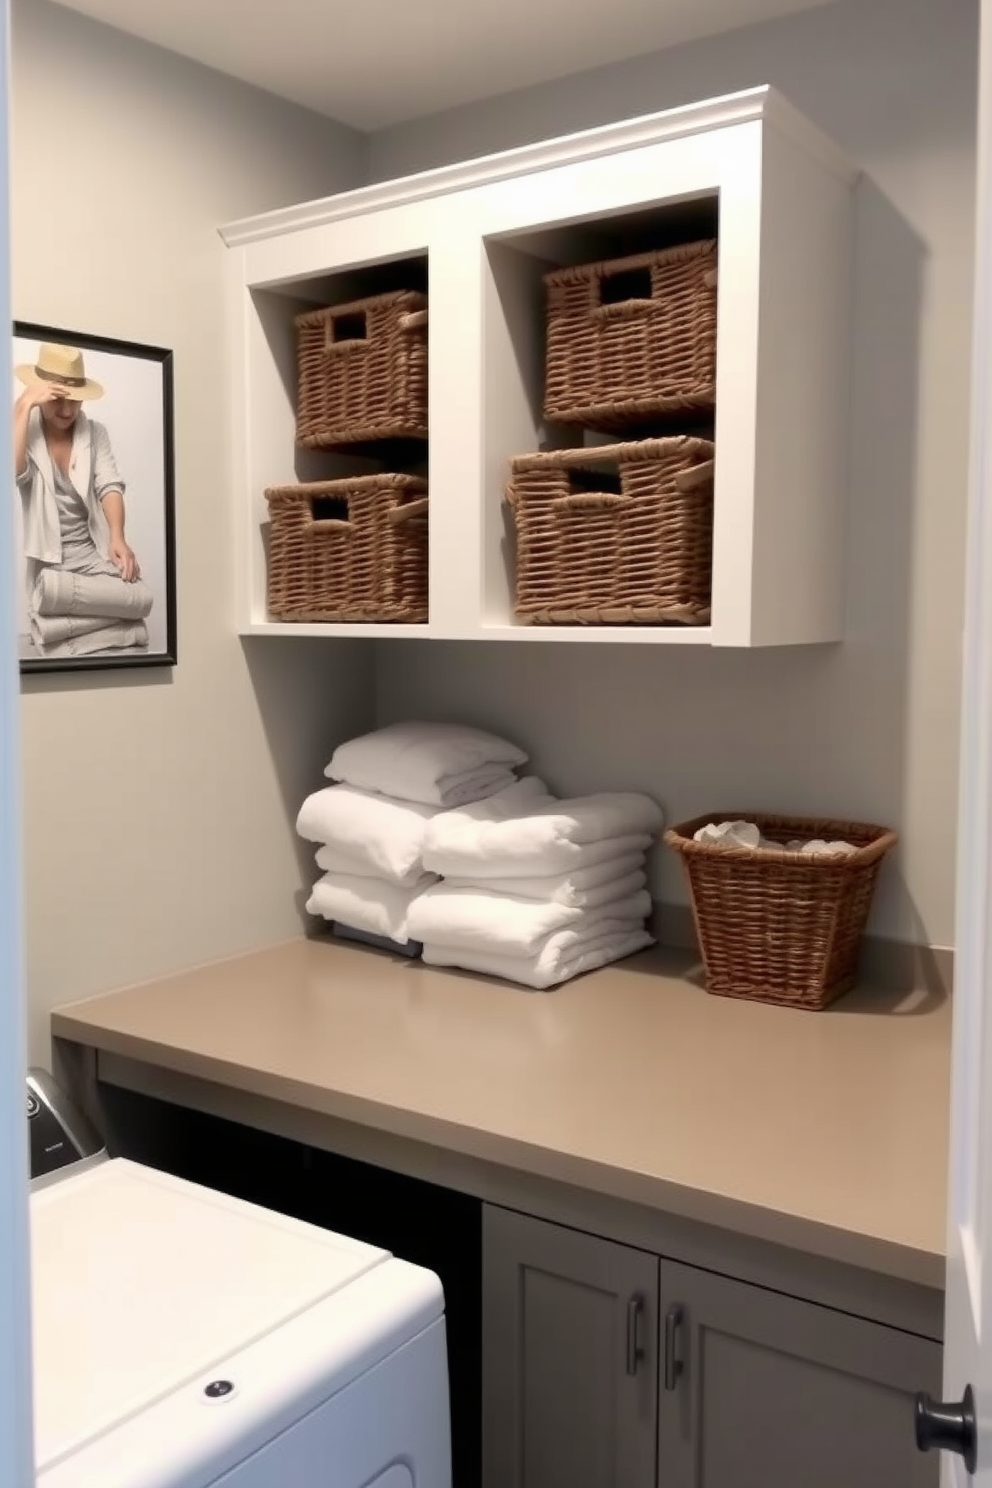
pixel 426 762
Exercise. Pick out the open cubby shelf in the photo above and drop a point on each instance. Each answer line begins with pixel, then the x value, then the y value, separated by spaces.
pixel 479 238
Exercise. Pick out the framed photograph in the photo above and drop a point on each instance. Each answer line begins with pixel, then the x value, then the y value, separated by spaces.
pixel 95 500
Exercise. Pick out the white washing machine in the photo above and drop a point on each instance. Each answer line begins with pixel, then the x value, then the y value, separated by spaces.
pixel 184 1339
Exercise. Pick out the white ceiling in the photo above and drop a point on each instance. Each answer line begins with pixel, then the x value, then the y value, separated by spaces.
pixel 371 63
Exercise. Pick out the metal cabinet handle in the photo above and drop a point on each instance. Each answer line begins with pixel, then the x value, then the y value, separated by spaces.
pixel 673 1364
pixel 635 1349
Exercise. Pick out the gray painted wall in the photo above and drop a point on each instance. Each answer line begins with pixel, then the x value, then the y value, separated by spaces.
pixel 868 729
pixel 186 850
pixel 158 808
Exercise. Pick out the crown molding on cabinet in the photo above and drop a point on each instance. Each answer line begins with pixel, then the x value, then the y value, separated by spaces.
pixel 762 103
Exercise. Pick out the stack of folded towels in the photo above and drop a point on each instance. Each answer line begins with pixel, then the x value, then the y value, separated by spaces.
pixel 371 825
pixel 536 890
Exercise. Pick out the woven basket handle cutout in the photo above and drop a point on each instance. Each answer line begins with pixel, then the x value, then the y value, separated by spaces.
pixel 413 320
pixel 624 293
pixel 346 332
pixel 328 524
pixel 699 475
pixel 408 511
pixel 589 501
pixel 710 278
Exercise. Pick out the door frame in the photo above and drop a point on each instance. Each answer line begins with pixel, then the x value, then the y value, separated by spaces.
pixel 16 1413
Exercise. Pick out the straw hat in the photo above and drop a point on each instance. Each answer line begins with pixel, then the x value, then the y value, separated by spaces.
pixel 64 365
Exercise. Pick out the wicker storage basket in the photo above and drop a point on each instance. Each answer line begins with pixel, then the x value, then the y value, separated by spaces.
pixel 363 371
pixel 349 550
pixel 632 338
pixel 781 927
pixel 638 554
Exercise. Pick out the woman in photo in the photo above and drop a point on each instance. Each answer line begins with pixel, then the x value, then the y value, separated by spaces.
pixel 85 592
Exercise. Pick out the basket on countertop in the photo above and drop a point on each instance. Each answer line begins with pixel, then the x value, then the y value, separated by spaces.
pixel 362 371
pixel 779 926
pixel 640 553
pixel 349 550
pixel 632 338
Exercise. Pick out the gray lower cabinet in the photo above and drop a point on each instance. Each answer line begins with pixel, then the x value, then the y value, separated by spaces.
pixel 570 1362
pixel 766 1391
pixel 605 1367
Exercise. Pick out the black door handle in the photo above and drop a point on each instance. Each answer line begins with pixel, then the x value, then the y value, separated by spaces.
pixel 948 1426
pixel 673 1364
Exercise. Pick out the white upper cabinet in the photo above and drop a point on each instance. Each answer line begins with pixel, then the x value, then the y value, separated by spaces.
pixel 479 237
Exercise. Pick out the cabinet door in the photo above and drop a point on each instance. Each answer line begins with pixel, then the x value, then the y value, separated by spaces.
pixel 570 1363
pixel 759 1389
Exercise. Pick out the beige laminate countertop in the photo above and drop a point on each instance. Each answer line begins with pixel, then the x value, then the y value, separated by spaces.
pixel 824 1131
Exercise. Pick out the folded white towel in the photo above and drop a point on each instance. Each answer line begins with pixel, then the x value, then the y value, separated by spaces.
pixel 369 904
pixel 557 961
pixel 522 835
pixel 337 860
pixel 508 925
pixel 385 836
pixel 473 785
pixel 587 888
pixel 439 764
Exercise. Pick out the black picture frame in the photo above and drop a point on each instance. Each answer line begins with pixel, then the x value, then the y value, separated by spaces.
pixel 102 350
